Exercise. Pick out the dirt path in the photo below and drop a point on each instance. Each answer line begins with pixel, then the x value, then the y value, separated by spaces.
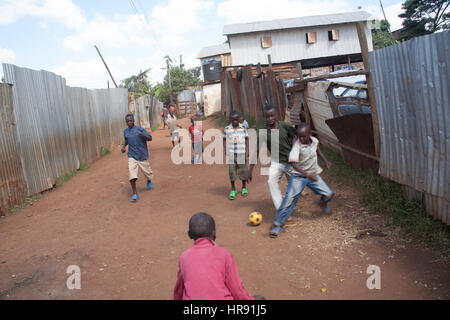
pixel 131 251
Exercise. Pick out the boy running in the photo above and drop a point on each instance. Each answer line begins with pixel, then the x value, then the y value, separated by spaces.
pixel 164 114
pixel 235 145
pixel 172 123
pixel 196 132
pixel 279 164
pixel 306 172
pixel 136 139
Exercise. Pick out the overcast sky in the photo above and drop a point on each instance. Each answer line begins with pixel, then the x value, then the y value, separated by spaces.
pixel 59 35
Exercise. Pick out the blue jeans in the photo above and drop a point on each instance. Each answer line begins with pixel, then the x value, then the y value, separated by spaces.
pixel 295 187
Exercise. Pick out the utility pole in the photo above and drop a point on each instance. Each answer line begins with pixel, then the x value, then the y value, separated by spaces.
pixel 168 73
pixel 168 76
pixel 106 66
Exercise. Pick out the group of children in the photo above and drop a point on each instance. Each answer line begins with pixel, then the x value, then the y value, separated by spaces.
pixel 207 271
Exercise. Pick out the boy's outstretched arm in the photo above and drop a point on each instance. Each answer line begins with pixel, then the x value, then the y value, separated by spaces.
pixel 125 143
pixel 234 282
pixel 179 287
pixel 327 163
pixel 252 165
pixel 246 149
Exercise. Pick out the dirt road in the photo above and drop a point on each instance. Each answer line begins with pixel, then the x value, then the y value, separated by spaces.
pixel 131 251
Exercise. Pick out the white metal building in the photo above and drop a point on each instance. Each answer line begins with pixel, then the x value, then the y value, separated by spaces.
pixel 304 39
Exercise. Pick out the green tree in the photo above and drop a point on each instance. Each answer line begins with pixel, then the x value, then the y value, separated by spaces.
pixel 381 37
pixel 180 79
pixel 423 17
pixel 138 84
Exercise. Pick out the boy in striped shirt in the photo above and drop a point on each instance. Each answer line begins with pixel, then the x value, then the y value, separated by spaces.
pixel 235 147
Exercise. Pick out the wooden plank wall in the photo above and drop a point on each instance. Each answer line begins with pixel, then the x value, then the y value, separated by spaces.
pixel 250 94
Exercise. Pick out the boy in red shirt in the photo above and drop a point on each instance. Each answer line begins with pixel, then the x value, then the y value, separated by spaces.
pixel 207 271
pixel 196 132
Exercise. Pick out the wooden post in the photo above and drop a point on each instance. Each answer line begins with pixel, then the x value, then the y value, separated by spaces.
pixel 170 81
pixel 260 84
pixel 106 66
pixel 371 92
pixel 269 58
pixel 300 70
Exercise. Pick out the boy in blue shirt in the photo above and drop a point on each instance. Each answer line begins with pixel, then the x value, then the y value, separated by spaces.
pixel 136 139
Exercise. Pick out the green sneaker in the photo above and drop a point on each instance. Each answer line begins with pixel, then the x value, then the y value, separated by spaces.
pixel 232 195
pixel 244 192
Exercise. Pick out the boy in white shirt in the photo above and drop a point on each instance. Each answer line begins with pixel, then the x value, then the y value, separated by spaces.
pixel 306 172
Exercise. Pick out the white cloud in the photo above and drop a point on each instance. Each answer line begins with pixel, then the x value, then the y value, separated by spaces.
pixel 7 55
pixel 60 11
pixel 92 73
pixel 238 11
pixel 118 32
pixel 392 13
pixel 167 32
pixel 179 16
pixel 168 26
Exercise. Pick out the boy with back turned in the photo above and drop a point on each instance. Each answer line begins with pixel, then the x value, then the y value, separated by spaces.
pixel 207 271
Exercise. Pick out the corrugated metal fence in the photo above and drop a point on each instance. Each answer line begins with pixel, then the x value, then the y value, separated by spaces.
pixel 12 187
pixel 412 90
pixel 147 111
pixel 57 127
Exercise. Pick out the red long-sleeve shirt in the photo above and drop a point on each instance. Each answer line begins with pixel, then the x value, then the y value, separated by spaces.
pixel 208 272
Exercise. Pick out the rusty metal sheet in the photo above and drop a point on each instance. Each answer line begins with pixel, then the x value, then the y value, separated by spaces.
pixel 12 180
pixel 355 131
pixel 319 107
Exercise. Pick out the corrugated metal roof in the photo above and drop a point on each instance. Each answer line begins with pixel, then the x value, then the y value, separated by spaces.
pixel 413 97
pixel 214 51
pixel 300 22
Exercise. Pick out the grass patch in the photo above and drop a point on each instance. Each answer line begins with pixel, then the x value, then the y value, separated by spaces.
pixel 83 166
pixel 385 197
pixel 221 120
pixel 253 123
pixel 105 152
pixel 155 127
pixel 29 201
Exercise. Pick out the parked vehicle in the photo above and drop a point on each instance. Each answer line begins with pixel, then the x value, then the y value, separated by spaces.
pixel 350 108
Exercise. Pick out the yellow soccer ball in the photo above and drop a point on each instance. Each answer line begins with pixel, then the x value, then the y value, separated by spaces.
pixel 255 218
